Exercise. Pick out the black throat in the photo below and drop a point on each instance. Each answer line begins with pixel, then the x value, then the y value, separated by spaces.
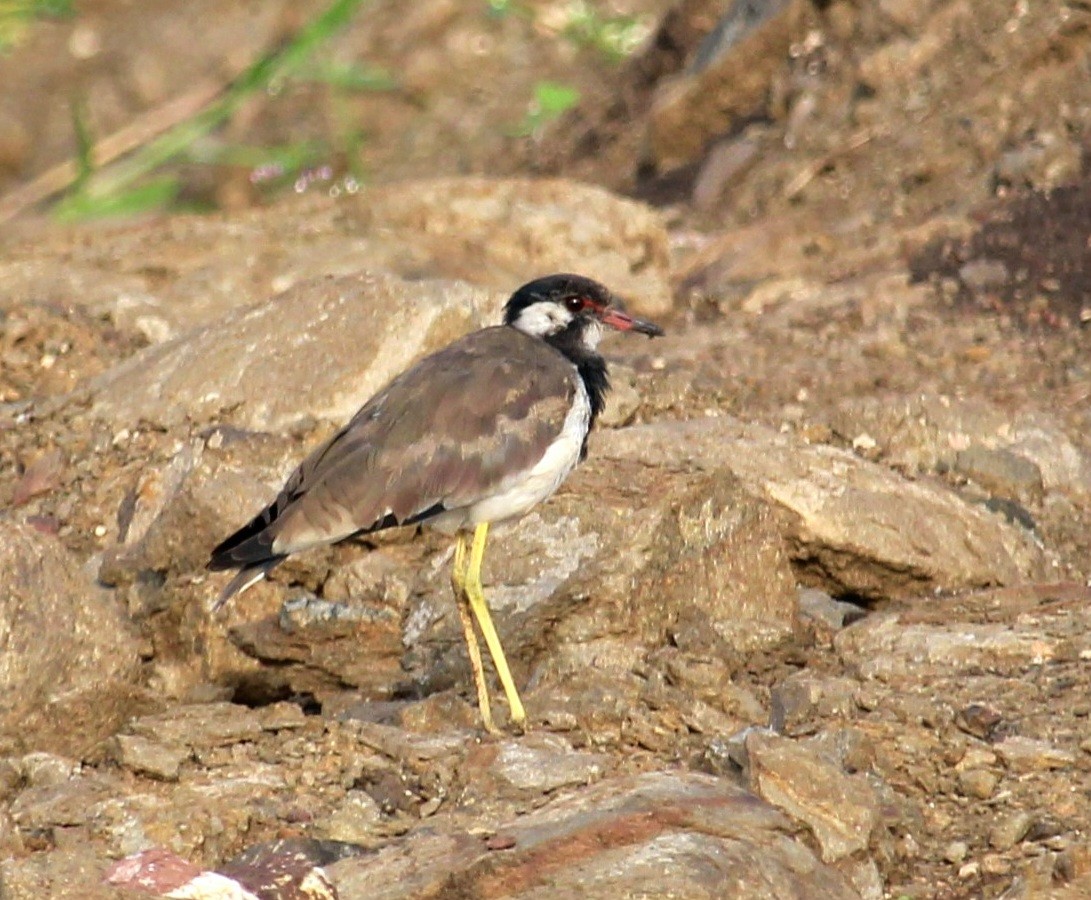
pixel 591 367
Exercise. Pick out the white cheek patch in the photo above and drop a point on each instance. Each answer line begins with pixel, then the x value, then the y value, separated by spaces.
pixel 541 319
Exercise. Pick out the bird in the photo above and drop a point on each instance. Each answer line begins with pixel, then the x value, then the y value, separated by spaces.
pixel 475 434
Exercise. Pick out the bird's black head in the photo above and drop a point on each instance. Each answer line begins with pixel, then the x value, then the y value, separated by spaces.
pixel 572 308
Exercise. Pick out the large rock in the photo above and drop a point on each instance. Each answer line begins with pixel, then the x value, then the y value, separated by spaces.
pixel 69 663
pixel 693 835
pixel 624 560
pixel 320 349
pixel 501 233
pixel 161 279
pixel 856 526
pixel 620 563
pixel 926 432
pixel 730 79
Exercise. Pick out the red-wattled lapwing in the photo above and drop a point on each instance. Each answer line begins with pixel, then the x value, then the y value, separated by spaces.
pixel 479 432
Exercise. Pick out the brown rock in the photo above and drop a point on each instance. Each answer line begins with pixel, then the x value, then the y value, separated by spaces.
pixel 535 764
pixel 502 232
pixel 611 840
pixel 733 82
pixel 848 519
pixel 145 757
pixel 65 693
pixel 497 234
pixel 841 810
pixel 372 326
pixel 884 646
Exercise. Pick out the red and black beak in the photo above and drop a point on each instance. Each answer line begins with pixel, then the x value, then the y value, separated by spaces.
pixel 617 318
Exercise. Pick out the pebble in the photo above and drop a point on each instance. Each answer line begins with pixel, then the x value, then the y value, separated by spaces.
pixel 1010 830
pixel 955 852
pixel 1023 754
pixel 993 864
pixel 42 769
pixel 969 870
pixel 148 757
pixel 354 819
pixel 978 783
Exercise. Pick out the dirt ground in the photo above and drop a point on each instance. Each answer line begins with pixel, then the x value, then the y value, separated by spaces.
pixel 938 139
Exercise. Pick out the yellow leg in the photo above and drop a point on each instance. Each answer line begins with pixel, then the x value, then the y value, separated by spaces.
pixel 476 595
pixel 458 583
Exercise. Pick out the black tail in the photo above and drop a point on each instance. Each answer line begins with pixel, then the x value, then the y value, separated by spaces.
pixel 250 549
pixel 250 544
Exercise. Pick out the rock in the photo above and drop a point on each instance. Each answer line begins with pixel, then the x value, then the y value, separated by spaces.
pixel 72 873
pixel 353 821
pixel 572 592
pixel 611 840
pixel 820 608
pixel 43 769
pixel 497 234
pixel 885 646
pixel 980 720
pixel 840 810
pixel 159 873
pixel 978 783
pixel 370 326
pixel 859 527
pixel 1010 830
pixel 144 757
pixel 927 432
pixel 199 726
pixel 729 81
pixel 1023 754
pixel 68 692
pixel 864 876
pixel 955 852
pixel 1000 471
pixel 802 701
pixel 535 764
pixel 502 232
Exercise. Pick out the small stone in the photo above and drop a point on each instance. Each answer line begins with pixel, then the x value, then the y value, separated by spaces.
pixel 802 698
pixel 993 864
pixel 978 783
pixel 146 757
pixel 353 821
pixel 42 769
pixel 821 609
pixel 1023 754
pixel 979 720
pixel 955 852
pixel 983 273
pixel 1010 830
pixel 977 758
pixel 841 810
pixel 543 763
pixel 282 716
pixel 969 870
pixel 1000 471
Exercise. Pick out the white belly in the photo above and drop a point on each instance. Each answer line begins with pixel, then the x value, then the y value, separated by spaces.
pixel 518 494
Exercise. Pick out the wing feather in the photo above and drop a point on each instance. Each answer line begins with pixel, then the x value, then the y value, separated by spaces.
pixel 442 435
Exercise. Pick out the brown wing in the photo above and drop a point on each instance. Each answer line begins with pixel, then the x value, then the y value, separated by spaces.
pixel 442 435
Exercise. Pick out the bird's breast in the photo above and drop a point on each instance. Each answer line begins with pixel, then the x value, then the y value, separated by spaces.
pixel 521 491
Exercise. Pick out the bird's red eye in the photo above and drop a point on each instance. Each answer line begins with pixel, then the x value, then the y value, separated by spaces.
pixel 574 304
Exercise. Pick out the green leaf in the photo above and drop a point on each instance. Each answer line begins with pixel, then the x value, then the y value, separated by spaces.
pixel 152 195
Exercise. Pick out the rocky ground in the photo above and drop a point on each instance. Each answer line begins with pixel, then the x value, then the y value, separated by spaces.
pixel 812 620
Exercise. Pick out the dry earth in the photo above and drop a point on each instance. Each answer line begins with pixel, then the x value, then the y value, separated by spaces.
pixel 813 619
